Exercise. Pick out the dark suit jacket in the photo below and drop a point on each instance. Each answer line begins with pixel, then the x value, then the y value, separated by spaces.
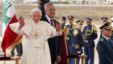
pixel 54 43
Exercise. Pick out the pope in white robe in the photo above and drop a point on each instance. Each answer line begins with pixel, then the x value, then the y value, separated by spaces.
pixel 35 36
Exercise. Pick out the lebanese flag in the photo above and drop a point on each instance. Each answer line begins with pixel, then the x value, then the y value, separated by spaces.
pixel 8 17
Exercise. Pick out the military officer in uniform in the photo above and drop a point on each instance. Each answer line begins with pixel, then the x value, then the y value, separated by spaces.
pixel 74 40
pixel 70 33
pixel 78 40
pixel 90 34
pixel 105 45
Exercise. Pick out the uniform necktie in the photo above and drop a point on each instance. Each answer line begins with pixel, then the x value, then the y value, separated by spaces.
pixel 110 41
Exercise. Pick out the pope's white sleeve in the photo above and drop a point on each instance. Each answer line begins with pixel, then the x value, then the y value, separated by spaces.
pixel 52 31
pixel 15 28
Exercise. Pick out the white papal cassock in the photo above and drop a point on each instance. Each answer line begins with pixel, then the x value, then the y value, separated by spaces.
pixel 36 50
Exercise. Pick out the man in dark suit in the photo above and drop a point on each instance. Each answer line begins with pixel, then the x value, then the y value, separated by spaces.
pixel 54 43
pixel 105 45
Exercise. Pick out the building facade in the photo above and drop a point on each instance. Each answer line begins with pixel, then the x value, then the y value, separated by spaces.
pixel 90 2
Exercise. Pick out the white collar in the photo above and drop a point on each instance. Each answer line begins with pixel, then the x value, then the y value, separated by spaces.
pixel 48 18
pixel 105 37
pixel 35 23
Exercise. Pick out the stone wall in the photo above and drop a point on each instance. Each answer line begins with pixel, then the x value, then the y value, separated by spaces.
pixel 61 10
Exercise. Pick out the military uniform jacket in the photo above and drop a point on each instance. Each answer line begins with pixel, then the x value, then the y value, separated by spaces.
pixel 73 44
pixel 90 34
pixel 78 41
pixel 105 51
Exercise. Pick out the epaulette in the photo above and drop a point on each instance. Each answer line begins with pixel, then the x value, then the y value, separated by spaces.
pixel 101 39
